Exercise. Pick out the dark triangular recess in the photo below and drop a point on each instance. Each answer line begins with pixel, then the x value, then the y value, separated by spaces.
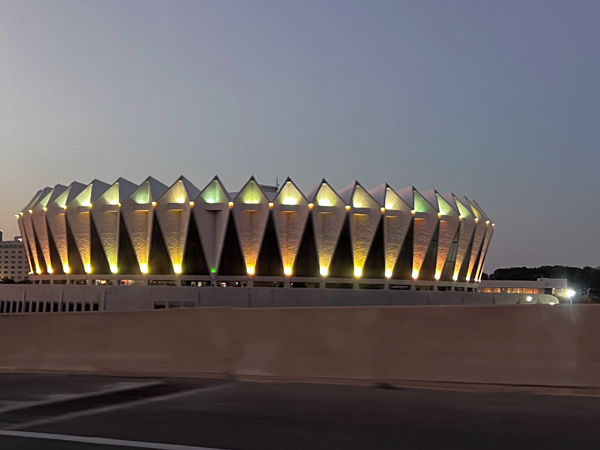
pixel 232 258
pixel 478 260
pixel 127 261
pixel 404 264
pixel 342 263
pixel 427 272
pixel 375 263
pixel 269 263
pixel 54 256
pixel 30 255
pixel 462 275
pixel 448 269
pixel 194 262
pixel 307 261
pixel 75 261
pixel 38 249
pixel 159 261
pixel 99 261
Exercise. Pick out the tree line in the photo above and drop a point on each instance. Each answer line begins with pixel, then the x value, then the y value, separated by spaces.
pixel 579 278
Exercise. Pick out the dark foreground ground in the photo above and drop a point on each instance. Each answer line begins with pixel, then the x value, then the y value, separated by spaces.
pixel 92 413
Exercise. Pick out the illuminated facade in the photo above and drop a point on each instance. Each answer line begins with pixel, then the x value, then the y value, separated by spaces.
pixel 123 233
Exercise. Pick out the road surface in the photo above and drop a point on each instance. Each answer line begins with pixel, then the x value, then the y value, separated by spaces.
pixel 94 413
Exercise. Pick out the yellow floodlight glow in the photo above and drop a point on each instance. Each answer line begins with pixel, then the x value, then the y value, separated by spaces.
pixel 65 207
pixel 114 202
pixel 38 270
pixel 191 203
pixel 494 225
pixel 177 268
pixel 230 204
pixel 476 219
pixel 49 269
pixel 270 205
pixel 144 268
pixel 455 277
pixel 552 303
pixel 153 203
pixel 357 271
pixel 30 211
pixel 66 268
pixel 382 210
pixel 289 201
pixel 487 222
pixel 45 209
pixel 181 200
pixel 17 216
pixel 210 200
pixel 324 202
pixel 323 271
pixel 114 268
pixel 529 298
pixel 86 203
pixel 437 276
pixel 461 217
pixel 21 213
pixel 287 270
pixel 413 211
pixel 250 270
pixel 347 207
pixel 388 273
pixel 415 274
pixel 88 268
pixel 310 206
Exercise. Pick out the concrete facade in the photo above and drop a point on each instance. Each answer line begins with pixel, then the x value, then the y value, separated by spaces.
pixel 122 233
pixel 73 298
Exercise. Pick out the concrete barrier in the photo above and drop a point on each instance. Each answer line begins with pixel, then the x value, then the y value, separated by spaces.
pixel 143 298
pixel 539 345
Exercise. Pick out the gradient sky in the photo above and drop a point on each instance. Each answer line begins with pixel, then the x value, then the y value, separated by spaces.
pixel 499 101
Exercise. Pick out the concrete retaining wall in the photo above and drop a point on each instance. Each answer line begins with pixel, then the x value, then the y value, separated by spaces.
pixel 536 345
pixel 142 298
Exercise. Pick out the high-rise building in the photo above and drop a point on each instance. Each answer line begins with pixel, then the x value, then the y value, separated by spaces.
pixel 13 259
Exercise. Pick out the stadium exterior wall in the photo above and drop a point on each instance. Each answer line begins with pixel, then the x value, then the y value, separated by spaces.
pixel 123 233
pixel 26 299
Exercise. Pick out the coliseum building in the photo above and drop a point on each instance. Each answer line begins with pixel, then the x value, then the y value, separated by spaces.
pixel 261 236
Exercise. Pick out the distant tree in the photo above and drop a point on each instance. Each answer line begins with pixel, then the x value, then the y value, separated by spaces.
pixel 586 278
pixel 7 280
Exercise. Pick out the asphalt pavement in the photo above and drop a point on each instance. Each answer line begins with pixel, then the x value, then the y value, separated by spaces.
pixel 95 413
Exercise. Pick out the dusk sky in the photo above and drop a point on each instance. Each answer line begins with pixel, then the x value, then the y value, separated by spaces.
pixel 499 101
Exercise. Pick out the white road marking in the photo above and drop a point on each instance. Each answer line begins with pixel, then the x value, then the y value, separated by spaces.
pixel 117 387
pixel 101 441
pixel 110 408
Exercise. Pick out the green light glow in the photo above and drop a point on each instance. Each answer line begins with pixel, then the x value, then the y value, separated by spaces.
pixel 212 194
pixel 142 196
pixel 213 270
